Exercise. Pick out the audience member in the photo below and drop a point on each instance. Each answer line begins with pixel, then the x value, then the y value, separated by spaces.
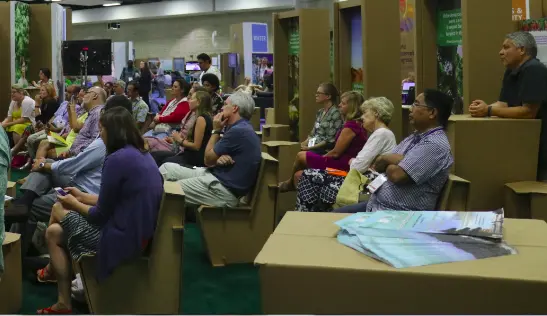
pixel 328 121
pixel 140 108
pixel 20 114
pixel 212 84
pixel 524 90
pixel 145 82
pixel 318 189
pixel 159 78
pixel 348 142
pixel 129 73
pixel 172 114
pixel 233 160
pixel 45 78
pixel 116 224
pixel 192 146
pixel 5 160
pixel 118 88
pixel 417 168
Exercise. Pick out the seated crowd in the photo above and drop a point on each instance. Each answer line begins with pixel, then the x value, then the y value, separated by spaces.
pixel 99 146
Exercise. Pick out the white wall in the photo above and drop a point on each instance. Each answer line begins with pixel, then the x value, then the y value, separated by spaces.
pixel 175 37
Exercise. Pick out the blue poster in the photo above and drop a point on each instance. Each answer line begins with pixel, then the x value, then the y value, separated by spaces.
pixel 260 38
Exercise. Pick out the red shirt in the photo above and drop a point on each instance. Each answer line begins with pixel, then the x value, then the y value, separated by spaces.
pixel 175 117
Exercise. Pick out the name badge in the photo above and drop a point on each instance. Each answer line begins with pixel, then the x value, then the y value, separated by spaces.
pixel 130 79
pixel 311 142
pixel 317 124
pixel 376 183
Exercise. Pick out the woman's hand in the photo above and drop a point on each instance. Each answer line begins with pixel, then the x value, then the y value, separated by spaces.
pixel 75 192
pixel 177 137
pixel 69 201
pixel 157 118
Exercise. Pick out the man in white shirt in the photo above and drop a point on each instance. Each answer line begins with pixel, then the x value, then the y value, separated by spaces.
pixel 206 67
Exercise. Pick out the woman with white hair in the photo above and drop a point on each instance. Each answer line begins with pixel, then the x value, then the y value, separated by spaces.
pixel 317 191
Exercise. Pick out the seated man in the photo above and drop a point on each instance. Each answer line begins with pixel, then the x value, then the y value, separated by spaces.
pixel 140 108
pixel 417 168
pixel 119 89
pixel 82 171
pixel 232 160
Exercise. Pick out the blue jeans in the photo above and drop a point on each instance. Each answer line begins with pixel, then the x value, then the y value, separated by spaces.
pixel 355 208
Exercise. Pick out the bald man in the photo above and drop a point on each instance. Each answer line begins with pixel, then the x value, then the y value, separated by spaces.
pixel 93 101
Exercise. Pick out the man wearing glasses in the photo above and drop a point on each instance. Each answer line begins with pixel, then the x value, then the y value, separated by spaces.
pixel 414 173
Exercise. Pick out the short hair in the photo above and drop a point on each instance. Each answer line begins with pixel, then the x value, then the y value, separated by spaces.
pixel 120 83
pixel 330 90
pixel 76 89
pixel 440 101
pixel 121 130
pixel 118 101
pixel 184 86
pixel 212 79
pixel 46 72
pixel 244 102
pixel 382 106
pixel 204 57
pixel 354 100
pixel 198 89
pixel 524 40
pixel 19 88
pixel 135 84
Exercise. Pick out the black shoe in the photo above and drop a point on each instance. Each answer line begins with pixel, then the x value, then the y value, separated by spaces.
pixel 16 213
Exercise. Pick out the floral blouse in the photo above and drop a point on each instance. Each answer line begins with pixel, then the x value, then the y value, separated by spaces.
pixel 325 128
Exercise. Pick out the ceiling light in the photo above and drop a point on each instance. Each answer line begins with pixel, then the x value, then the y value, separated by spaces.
pixel 55 0
pixel 111 4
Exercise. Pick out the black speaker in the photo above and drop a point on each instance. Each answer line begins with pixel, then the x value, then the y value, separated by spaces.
pixel 99 57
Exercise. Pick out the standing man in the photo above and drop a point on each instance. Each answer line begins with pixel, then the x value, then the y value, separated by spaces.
pixel 205 64
pixel 118 88
pixel 524 90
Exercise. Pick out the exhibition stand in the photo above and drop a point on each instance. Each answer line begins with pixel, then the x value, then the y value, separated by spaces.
pixel 301 41
pixel 363 54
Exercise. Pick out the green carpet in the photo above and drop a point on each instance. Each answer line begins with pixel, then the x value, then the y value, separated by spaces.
pixel 206 290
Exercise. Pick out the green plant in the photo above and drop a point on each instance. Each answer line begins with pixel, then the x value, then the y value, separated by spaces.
pixel 22 32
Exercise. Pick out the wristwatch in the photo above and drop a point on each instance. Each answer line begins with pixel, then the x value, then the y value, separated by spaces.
pixel 217 132
pixel 489 113
pixel 42 165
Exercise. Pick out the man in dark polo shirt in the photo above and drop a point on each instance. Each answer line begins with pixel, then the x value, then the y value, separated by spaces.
pixel 233 160
pixel 524 90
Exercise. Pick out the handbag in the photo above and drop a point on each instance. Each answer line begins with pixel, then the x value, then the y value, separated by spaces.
pixel 162 128
pixel 353 189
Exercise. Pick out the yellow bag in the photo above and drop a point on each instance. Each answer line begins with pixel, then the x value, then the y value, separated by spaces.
pixel 351 189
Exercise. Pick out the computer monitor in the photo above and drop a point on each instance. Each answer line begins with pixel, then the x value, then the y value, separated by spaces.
pixel 407 85
pixel 192 66
pixel 99 57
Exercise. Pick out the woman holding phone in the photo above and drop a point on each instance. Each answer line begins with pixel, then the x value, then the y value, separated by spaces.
pixel 117 224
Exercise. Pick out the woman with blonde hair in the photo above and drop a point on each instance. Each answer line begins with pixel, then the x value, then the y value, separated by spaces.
pixel 317 190
pixel 348 142
pixel 20 114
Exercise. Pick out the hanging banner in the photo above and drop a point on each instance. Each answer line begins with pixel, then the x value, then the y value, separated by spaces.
pixel 521 10
pixel 449 28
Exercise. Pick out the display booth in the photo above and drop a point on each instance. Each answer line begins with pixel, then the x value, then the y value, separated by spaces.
pixel 365 58
pixel 247 40
pixel 301 41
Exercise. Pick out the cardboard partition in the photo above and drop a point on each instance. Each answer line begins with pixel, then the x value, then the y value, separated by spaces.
pixel 255 119
pixel 455 195
pixel 362 53
pixel 305 270
pixel 527 199
pixel 5 58
pixel 11 283
pixel 484 25
pixel 489 158
pixel 275 132
pixel 301 41
pixel 11 189
pixel 270 116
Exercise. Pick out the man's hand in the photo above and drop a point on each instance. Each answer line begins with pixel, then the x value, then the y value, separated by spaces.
pixel 383 161
pixel 36 165
pixel 478 108
pixel 225 160
pixel 219 122
pixel 64 155
pixel 34 83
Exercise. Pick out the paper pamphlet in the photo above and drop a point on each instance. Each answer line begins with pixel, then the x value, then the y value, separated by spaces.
pixel 408 239
pixel 56 139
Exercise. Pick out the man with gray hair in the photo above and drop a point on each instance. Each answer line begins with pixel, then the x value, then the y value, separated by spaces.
pixel 232 160
pixel 524 90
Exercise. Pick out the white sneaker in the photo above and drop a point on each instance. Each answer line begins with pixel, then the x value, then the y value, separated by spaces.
pixel 78 289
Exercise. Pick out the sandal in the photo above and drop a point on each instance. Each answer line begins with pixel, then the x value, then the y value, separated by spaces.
pixel 285 186
pixel 42 278
pixel 50 310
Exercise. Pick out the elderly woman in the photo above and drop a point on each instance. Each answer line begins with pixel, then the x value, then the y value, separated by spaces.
pixel 348 142
pixel 21 113
pixel 317 190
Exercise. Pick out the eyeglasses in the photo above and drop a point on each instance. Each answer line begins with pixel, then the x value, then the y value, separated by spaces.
pixel 416 104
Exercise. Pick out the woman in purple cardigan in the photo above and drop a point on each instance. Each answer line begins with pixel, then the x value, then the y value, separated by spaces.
pixel 119 222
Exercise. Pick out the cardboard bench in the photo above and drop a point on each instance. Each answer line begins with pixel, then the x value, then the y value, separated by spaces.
pixel 527 199
pixel 255 119
pixel 11 283
pixel 305 270
pixel 455 195
pixel 272 132
pixel 150 284
pixel 236 235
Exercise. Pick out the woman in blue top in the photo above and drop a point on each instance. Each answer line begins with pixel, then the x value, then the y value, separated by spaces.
pixel 118 223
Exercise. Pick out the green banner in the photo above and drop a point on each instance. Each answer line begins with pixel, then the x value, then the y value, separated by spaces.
pixel 294 42
pixel 449 28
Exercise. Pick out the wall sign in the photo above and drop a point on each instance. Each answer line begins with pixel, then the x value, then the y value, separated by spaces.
pixel 260 38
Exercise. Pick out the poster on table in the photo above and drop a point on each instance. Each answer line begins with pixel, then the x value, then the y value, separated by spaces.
pixel 21 13
pixel 449 52
pixel 406 26
pixel 521 10
pixel 294 60
pixel 538 28
pixel 356 42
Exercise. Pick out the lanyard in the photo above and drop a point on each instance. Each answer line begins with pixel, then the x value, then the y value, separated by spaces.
pixel 418 138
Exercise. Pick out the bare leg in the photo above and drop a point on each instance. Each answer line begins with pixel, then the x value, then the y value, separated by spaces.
pixel 43 149
pixel 299 164
pixel 18 145
pixel 52 153
pixel 16 139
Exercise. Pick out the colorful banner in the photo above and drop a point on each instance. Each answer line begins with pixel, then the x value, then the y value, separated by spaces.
pixel 356 33
pixel 521 9
pixel 406 26
pixel 294 41
pixel 449 28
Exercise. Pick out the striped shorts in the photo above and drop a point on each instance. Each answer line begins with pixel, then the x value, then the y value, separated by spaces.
pixel 81 236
